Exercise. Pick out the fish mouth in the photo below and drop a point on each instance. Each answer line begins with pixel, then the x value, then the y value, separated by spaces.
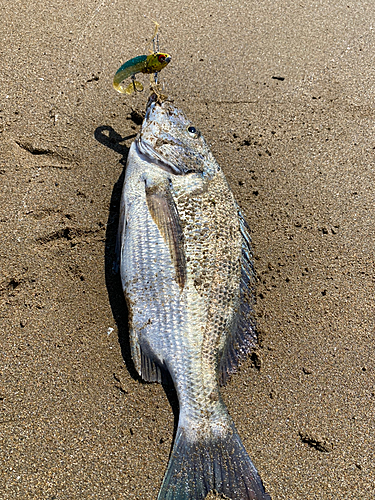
pixel 148 153
pixel 155 98
pixel 146 150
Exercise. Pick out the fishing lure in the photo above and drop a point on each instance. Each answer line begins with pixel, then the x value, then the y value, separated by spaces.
pixel 140 64
pixel 152 63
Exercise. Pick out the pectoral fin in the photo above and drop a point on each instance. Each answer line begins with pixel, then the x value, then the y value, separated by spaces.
pixel 165 215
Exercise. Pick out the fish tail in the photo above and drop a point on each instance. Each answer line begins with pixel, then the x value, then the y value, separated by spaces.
pixel 218 464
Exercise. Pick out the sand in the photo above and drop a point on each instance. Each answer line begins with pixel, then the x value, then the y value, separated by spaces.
pixel 284 93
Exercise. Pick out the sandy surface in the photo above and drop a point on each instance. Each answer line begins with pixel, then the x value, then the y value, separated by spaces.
pixel 284 92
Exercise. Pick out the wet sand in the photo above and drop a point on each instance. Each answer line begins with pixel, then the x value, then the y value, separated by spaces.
pixel 284 93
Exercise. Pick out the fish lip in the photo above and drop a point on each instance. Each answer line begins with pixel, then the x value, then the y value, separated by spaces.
pixel 146 151
pixel 151 100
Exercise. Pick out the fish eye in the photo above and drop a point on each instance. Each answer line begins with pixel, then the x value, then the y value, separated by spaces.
pixel 161 58
pixel 192 130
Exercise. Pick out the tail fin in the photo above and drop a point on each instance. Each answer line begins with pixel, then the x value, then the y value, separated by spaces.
pixel 213 464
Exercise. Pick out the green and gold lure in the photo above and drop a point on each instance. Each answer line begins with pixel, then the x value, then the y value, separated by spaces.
pixel 153 63
pixel 140 64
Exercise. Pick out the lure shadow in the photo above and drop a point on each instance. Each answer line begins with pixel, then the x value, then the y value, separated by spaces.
pixel 107 136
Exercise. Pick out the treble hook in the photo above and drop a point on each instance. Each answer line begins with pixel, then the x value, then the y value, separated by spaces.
pixel 134 85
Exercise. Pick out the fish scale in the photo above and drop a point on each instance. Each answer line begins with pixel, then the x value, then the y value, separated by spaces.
pixel 197 228
pixel 185 261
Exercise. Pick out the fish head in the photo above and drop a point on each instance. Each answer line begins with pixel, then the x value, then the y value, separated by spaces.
pixel 170 140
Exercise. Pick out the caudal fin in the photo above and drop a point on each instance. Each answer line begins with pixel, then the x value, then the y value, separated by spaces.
pixel 214 464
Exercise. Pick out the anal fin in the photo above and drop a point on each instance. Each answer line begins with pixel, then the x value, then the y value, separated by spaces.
pixel 150 370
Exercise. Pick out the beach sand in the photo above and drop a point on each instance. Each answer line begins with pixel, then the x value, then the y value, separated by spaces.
pixel 284 93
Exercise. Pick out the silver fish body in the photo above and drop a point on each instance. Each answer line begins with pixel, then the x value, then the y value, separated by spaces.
pixel 185 262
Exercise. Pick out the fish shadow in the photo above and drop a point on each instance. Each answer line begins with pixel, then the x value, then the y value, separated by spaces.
pixel 107 136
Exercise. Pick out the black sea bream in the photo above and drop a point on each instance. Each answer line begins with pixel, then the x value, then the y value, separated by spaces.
pixel 186 272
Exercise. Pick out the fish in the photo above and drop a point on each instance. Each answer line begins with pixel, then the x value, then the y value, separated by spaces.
pixel 152 63
pixel 186 270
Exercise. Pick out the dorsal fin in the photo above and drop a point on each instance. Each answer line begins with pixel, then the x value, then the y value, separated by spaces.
pixel 243 337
